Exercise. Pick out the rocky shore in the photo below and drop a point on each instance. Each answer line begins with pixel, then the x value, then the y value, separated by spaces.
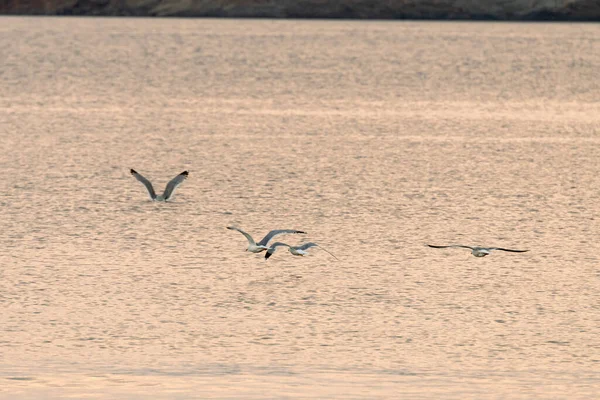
pixel 510 10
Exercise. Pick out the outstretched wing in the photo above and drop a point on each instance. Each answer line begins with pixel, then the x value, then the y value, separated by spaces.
pixel 306 246
pixel 274 233
pixel 145 182
pixel 311 244
pixel 250 240
pixel 449 246
pixel 272 249
pixel 514 251
pixel 172 185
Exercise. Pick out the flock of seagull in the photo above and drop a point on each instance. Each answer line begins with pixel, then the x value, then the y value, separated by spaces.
pixel 263 244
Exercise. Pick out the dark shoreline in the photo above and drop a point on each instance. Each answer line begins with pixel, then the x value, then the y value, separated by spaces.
pixel 444 10
pixel 470 19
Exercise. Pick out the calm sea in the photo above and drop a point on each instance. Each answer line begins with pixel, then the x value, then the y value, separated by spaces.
pixel 376 138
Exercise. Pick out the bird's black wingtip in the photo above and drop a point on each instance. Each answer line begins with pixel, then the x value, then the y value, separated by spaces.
pixel 184 173
pixel 132 171
pixel 300 232
pixel 267 255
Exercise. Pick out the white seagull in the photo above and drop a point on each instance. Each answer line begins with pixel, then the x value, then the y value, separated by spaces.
pixel 262 245
pixel 295 250
pixel 478 251
pixel 169 190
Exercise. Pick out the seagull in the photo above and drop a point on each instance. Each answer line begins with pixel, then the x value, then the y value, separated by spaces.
pixel 262 245
pixel 295 250
pixel 169 190
pixel 478 251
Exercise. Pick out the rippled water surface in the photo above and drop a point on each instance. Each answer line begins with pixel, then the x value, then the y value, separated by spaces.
pixel 374 137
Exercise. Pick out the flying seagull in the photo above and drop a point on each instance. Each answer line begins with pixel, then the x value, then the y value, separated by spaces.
pixel 478 251
pixel 295 250
pixel 169 190
pixel 262 245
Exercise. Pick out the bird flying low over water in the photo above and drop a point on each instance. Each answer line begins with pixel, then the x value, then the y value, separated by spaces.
pixel 476 250
pixel 295 250
pixel 169 190
pixel 262 245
